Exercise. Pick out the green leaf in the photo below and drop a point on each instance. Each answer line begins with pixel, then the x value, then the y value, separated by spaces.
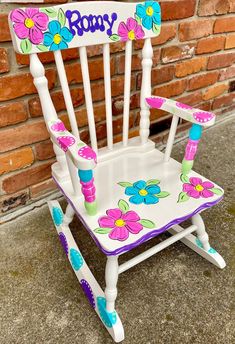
pixel 153 181
pixel 138 19
pixel 184 178
pixel 123 205
pixel 49 11
pixel 217 191
pixel 163 194
pixel 61 17
pixel 156 29
pixel 183 197
pixel 42 47
pixel 114 37
pixel 125 184
pixel 101 230
pixel 26 46
pixel 147 223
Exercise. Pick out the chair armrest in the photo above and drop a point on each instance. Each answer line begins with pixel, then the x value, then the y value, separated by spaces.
pixel 83 157
pixel 184 111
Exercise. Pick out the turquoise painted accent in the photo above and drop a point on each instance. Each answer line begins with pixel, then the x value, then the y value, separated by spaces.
pixel 199 244
pixel 76 259
pixel 195 132
pixel 91 208
pixel 109 319
pixel 57 216
pixel 85 175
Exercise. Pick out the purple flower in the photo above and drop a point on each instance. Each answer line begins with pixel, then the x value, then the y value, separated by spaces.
pixel 29 24
pixel 130 31
pixel 197 188
pixel 121 223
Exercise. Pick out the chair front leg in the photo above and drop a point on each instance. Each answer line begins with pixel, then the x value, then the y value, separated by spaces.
pixel 88 190
pixel 111 278
pixel 201 231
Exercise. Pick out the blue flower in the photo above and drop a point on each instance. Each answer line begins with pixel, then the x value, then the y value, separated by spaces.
pixel 143 193
pixel 150 13
pixel 57 37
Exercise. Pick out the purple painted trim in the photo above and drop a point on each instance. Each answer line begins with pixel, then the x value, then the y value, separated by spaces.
pixel 144 238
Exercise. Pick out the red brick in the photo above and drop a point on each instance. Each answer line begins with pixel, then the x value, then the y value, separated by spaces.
pixel 232 6
pixel 205 106
pixel 227 73
pixel 58 101
pixel 180 9
pixel 230 42
pixel 210 45
pixel 4 63
pixel 22 135
pixel 224 25
pixel 29 176
pixel 190 67
pixel 96 70
pixel 192 98
pixel 14 86
pixel 136 61
pixel 202 80
pixel 11 202
pixel 225 100
pixel 12 113
pixel 44 150
pixel 210 7
pixel 4 28
pixel 221 61
pixel 16 159
pixel 168 32
pixel 162 75
pixel 177 52
pixel 214 91
pixel 170 90
pixel 195 29
pixel 118 103
pixel 42 188
pixel 48 57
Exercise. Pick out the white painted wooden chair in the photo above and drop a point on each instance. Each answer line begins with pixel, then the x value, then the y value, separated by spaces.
pixel 130 192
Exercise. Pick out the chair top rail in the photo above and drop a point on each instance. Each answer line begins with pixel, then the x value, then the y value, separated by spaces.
pixel 78 24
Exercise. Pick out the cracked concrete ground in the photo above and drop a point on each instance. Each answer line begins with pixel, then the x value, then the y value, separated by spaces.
pixel 173 297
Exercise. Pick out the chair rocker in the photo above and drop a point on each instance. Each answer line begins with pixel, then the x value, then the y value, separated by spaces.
pixel 128 192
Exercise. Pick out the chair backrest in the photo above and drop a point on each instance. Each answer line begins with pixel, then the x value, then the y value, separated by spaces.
pixel 78 25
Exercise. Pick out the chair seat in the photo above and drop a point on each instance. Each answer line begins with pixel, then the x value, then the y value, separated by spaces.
pixel 139 196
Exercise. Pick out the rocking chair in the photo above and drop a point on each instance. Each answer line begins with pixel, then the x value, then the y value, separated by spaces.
pixel 129 192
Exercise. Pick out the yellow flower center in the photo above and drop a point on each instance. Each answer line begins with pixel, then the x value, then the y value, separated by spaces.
pixel 199 187
pixel 29 23
pixel 120 223
pixel 143 192
pixel 57 39
pixel 149 11
pixel 131 35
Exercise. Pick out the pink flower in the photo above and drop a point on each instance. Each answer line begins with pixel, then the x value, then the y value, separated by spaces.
pixel 29 24
pixel 197 188
pixel 131 30
pixel 120 223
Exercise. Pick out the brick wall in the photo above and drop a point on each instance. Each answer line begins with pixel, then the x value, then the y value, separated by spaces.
pixel 193 61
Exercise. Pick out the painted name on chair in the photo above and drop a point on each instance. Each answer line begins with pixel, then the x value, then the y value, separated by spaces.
pixel 73 25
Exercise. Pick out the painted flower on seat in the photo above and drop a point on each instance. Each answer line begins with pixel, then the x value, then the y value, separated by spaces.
pixel 130 31
pixel 120 222
pixel 57 37
pixel 29 24
pixel 144 192
pixel 197 188
pixel 150 13
pixel 140 192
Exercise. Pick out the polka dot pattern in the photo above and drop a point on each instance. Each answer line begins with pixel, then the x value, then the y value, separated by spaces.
pixel 57 216
pixel 199 244
pixel 88 292
pixel 76 259
pixel 64 243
